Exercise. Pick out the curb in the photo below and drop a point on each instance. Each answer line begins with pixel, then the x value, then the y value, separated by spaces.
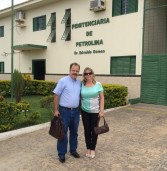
pixel 14 133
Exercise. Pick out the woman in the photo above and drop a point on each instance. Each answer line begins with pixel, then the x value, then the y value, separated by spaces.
pixel 92 107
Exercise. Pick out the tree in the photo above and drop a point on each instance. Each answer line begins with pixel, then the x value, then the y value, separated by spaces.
pixel 18 84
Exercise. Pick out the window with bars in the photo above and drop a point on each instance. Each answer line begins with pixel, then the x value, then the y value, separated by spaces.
pixel 121 7
pixel 1 31
pixel 123 65
pixel 52 23
pixel 1 67
pixel 155 27
pixel 67 20
pixel 39 23
pixel 124 9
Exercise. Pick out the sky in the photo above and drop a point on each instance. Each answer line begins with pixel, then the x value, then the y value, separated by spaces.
pixel 7 3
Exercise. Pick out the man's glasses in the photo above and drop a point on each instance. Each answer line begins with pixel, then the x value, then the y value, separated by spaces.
pixel 88 73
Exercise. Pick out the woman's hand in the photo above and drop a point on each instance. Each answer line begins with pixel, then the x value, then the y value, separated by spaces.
pixel 101 114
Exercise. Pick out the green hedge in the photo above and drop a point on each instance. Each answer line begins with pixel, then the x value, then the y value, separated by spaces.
pixel 32 87
pixel 36 87
pixel 5 88
pixel 115 95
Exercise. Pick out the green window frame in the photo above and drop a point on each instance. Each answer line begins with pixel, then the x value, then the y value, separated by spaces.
pixel 1 31
pixel 123 65
pixel 121 7
pixel 39 23
pixel 2 67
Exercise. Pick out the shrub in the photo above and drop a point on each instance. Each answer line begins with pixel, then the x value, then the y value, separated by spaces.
pixel 2 98
pixel 38 87
pixel 7 115
pixel 23 106
pixel 9 112
pixel 18 85
pixel 5 88
pixel 115 95
pixel 27 77
pixel 33 117
pixel 47 101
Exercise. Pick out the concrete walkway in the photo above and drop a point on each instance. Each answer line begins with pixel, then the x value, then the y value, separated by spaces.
pixel 137 141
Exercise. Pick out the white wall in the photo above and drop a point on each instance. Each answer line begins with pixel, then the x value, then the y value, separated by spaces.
pixel 122 36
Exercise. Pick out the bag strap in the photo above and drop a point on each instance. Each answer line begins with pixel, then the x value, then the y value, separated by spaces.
pixel 103 120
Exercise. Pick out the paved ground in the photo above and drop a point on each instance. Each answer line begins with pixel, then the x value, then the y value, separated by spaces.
pixel 137 141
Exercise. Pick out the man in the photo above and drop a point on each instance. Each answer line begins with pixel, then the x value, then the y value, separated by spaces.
pixel 66 102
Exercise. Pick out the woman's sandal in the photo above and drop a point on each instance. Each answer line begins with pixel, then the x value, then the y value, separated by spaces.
pixel 92 155
pixel 88 153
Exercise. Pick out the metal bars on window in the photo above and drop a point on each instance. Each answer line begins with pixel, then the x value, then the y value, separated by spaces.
pixel 67 20
pixel 52 23
pixel 155 27
pixel 51 36
pixel 121 7
pixel 124 9
pixel 51 20
pixel 66 33
pixel 66 16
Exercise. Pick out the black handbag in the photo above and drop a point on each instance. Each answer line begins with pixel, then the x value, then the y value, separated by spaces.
pixel 101 129
pixel 57 128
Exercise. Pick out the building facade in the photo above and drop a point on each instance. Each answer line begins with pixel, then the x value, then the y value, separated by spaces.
pixel 110 36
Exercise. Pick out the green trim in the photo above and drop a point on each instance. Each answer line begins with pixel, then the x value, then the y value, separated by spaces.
pixel 134 101
pixel 29 47
pixel 34 24
pixel 1 31
pixel 2 69
pixel 133 6
pixel 116 7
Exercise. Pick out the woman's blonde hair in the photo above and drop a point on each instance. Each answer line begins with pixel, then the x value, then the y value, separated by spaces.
pixel 93 75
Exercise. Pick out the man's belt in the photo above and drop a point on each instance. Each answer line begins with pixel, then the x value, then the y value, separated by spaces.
pixel 68 108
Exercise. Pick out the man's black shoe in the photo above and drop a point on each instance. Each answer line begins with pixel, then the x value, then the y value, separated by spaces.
pixel 62 159
pixel 75 154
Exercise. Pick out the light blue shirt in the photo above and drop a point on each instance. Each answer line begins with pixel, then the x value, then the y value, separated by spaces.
pixel 68 91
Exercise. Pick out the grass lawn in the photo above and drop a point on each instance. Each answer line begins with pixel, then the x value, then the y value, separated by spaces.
pixel 34 101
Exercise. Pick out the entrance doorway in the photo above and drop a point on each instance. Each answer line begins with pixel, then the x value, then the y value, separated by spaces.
pixel 39 69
